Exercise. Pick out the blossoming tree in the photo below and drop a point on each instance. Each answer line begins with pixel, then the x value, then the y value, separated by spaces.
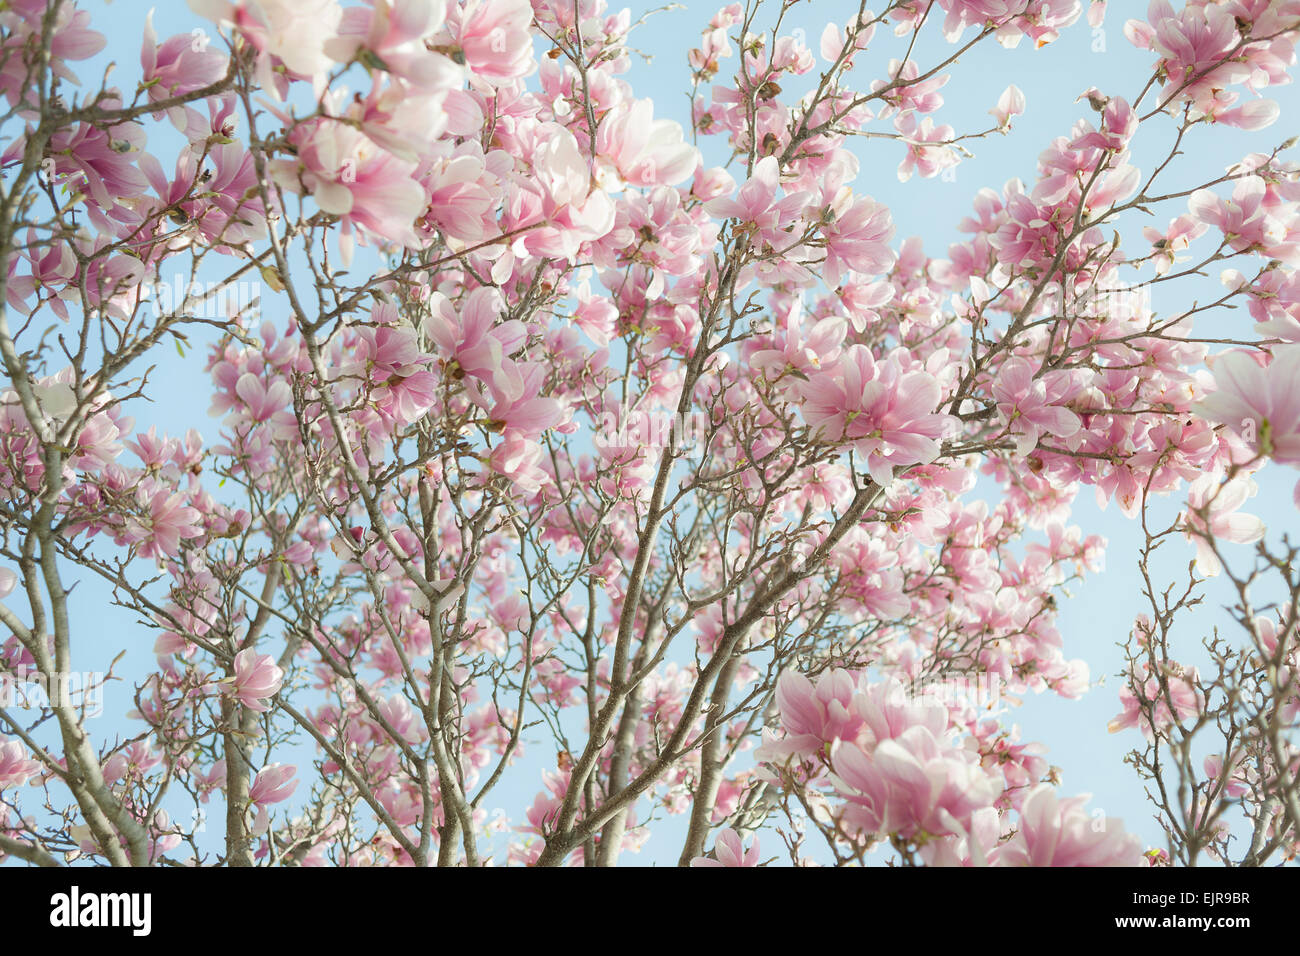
pixel 549 448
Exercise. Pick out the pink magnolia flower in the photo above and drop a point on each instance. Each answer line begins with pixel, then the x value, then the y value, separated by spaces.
pixel 887 414
pixel 1245 221
pixel 1165 246
pixel 492 37
pixel 835 39
pixel 295 31
pixel 1233 783
pixel 394 34
pixel 796 347
pixel 1031 405
pixel 922 96
pixel 926 149
pixel 1040 20
pixel 352 177
pixel 1010 103
pixel 1182 702
pixel 1226 522
pixel 1119 122
pixel 469 335
pixel 1193 45
pixel 179 65
pixel 574 211
pixel 730 851
pixel 262 401
pixel 857 238
pixel 392 369
pixel 256 679
pixel 594 314
pixel 1055 832
pixel 642 150
pixel 15 768
pixel 100 162
pixel 815 715
pixel 516 459
pixel 513 400
pixel 1251 115
pixel 48 269
pixel 888 710
pixel 273 784
pixel 163 522
pixel 463 192
pixel 228 211
pixel 8 580
pixel 911 785
pixel 70 39
pixel 756 203
pixel 1262 405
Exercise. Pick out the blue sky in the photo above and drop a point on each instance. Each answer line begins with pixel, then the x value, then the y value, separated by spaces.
pixel 1102 611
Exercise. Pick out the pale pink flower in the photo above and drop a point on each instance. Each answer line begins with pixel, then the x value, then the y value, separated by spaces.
pixel 927 152
pixel 1010 103
pixel 1119 122
pixel 179 65
pixel 257 678
pixel 164 521
pixel 888 710
pixel 273 784
pixel 393 34
pixel 516 459
pixel 1262 405
pixel 393 369
pixel 907 92
pixel 296 31
pixel 15 768
pixel 910 785
pixel 1245 221
pixel 1226 522
pixel 857 239
pixel 469 335
pixel 796 347
pixel 263 401
pixel 492 37
pixel 575 211
pixel 1056 832
pixel 642 150
pixel 730 851
pixel 513 400
pixel 887 414
pixel 1030 405
pixel 1166 246
pixel 756 202
pixel 1233 783
pixel 352 177
pixel 70 39
pixel 594 314
pixel 1251 115
pixel 815 715
pixel 1182 702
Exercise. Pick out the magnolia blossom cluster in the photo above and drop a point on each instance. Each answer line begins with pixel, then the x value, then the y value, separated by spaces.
pixel 886 765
